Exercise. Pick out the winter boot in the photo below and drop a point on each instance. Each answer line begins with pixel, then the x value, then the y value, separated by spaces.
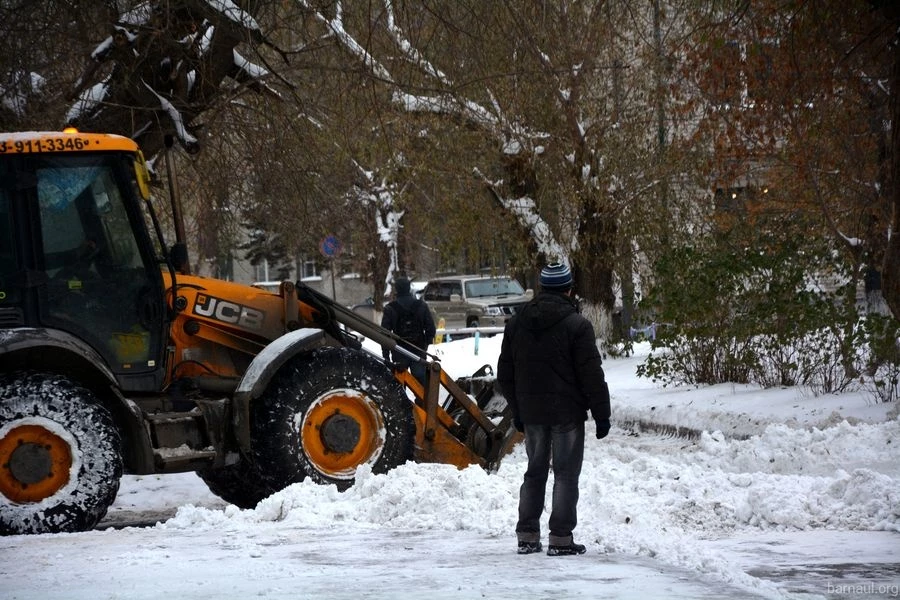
pixel 567 550
pixel 564 546
pixel 529 547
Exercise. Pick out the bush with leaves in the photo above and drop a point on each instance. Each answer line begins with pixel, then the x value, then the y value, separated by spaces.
pixel 881 334
pixel 750 313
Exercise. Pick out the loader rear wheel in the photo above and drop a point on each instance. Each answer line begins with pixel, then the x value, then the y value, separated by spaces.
pixel 60 458
pixel 326 414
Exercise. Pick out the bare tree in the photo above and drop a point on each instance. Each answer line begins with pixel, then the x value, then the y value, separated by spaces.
pixel 162 66
pixel 539 92
pixel 41 45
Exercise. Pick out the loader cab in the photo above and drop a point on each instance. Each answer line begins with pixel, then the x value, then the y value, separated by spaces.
pixel 75 255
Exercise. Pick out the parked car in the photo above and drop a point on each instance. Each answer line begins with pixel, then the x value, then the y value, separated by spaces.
pixel 474 300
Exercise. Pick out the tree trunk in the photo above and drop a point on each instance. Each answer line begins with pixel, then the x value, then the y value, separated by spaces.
pixel 891 269
pixel 592 267
pixel 625 269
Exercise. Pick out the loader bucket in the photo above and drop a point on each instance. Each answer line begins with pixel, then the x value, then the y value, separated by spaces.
pixel 472 426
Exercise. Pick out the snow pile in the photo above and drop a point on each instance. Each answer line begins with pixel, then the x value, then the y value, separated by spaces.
pixel 641 495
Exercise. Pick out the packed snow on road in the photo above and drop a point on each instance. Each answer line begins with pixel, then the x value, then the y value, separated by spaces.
pixel 723 491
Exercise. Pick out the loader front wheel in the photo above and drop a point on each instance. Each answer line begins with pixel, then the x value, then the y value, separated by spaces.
pixel 60 456
pixel 326 414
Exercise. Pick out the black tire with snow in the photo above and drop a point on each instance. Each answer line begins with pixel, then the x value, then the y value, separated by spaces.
pixel 277 416
pixel 240 484
pixel 57 404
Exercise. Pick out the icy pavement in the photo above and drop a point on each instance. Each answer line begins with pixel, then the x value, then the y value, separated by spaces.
pixel 284 562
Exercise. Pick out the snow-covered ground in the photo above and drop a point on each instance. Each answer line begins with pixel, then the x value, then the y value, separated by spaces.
pixel 725 491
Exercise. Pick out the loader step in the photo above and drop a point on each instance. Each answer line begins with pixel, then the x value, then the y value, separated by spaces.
pixel 178 460
pixel 164 417
pixel 178 437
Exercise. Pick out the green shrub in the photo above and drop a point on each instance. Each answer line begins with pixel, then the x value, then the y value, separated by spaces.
pixel 775 313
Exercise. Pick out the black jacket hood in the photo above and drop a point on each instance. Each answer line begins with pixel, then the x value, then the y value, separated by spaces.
pixel 546 310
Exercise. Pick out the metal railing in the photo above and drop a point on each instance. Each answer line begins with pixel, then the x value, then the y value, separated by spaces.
pixel 468 330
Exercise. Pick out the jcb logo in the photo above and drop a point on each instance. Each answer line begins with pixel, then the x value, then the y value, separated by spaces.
pixel 228 312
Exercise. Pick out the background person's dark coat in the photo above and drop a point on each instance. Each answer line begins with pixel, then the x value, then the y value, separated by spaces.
pixel 424 324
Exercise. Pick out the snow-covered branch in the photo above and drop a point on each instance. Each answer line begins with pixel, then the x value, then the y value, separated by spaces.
pixel 88 101
pixel 233 12
pixel 408 50
pixel 491 119
pixel 184 136
pixel 336 26
pixel 387 217
pixel 508 132
pixel 525 211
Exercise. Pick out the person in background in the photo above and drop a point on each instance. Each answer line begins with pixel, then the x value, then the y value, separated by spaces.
pixel 549 370
pixel 409 318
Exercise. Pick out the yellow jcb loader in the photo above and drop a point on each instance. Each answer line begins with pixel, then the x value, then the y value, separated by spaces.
pixel 115 359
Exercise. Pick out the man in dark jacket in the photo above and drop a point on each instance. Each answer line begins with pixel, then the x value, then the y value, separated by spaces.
pixel 550 372
pixel 409 318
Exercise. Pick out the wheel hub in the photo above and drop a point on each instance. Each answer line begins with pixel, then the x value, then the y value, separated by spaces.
pixel 342 430
pixel 34 463
pixel 340 433
pixel 30 463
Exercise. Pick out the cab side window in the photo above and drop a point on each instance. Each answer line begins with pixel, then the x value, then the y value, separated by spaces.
pixel 441 291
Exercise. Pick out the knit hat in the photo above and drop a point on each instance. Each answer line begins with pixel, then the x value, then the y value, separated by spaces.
pixel 556 276
pixel 401 286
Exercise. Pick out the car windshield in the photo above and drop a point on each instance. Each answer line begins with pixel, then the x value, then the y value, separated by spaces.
pixel 480 288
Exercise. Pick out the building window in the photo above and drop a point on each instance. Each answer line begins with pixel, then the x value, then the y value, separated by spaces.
pixel 309 267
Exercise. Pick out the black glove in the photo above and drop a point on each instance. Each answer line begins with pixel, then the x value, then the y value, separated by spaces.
pixel 602 428
pixel 517 423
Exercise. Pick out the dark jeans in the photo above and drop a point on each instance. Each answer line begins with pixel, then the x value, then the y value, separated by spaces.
pixel 565 445
pixel 418 371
